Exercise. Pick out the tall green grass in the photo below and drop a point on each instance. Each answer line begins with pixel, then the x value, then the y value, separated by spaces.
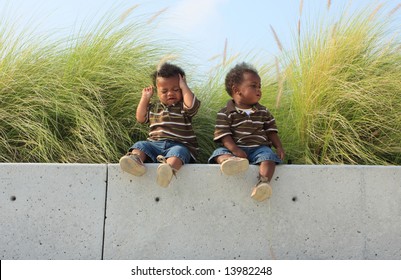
pixel 342 85
pixel 336 95
pixel 74 100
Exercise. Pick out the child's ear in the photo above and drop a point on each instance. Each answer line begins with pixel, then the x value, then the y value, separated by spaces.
pixel 235 90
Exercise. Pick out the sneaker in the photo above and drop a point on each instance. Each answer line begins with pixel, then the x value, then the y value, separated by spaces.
pixel 164 172
pixel 132 164
pixel 164 175
pixel 262 191
pixel 234 165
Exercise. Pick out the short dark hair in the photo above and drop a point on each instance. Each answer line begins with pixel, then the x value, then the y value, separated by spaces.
pixel 167 70
pixel 236 75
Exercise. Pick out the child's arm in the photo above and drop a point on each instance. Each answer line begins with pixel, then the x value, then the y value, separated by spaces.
pixel 142 109
pixel 229 143
pixel 273 136
pixel 187 94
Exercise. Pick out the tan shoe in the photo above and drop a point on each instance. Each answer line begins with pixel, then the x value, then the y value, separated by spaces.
pixel 262 191
pixel 164 175
pixel 234 165
pixel 132 164
pixel 164 172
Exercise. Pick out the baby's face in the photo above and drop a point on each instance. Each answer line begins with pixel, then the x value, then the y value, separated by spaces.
pixel 248 93
pixel 168 90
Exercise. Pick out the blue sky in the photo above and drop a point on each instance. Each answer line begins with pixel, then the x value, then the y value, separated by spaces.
pixel 204 25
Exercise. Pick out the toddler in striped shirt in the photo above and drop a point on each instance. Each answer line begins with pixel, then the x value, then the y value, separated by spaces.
pixel 247 131
pixel 171 140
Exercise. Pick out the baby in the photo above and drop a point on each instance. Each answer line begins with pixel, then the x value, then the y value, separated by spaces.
pixel 247 131
pixel 171 140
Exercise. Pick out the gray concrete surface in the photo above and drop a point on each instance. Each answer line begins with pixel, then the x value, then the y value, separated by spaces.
pixel 316 212
pixel 52 211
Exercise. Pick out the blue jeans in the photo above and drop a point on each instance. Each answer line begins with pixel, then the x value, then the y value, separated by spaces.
pixel 166 148
pixel 255 154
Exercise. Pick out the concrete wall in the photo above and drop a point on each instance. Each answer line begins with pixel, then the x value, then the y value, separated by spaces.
pixel 52 211
pixel 57 211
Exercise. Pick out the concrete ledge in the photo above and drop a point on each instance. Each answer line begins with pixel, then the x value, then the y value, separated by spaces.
pixel 316 212
pixel 52 211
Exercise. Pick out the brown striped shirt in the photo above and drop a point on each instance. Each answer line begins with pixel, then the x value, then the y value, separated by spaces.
pixel 173 123
pixel 246 130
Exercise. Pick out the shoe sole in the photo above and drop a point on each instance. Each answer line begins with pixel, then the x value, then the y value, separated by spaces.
pixel 164 175
pixel 262 192
pixel 234 166
pixel 129 165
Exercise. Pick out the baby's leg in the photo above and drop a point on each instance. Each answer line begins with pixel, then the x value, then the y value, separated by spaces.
pixel 266 170
pixel 140 153
pixel 175 157
pixel 132 162
pixel 263 190
pixel 175 163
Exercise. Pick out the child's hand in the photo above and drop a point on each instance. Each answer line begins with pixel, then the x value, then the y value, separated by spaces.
pixel 239 153
pixel 280 152
pixel 183 81
pixel 147 92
